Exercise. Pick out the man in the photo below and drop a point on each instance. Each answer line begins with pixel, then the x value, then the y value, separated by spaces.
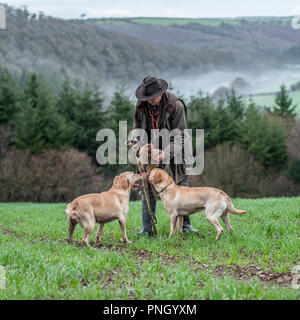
pixel 159 109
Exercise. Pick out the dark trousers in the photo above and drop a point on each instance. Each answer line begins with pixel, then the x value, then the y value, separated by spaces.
pixel 147 227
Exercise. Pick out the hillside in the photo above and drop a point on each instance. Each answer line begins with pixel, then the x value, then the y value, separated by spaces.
pixel 75 47
pixel 242 43
pixel 128 49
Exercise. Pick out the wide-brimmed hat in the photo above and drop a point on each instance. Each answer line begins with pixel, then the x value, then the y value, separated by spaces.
pixel 151 88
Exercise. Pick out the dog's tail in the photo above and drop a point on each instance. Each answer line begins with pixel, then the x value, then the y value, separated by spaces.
pixel 71 210
pixel 231 207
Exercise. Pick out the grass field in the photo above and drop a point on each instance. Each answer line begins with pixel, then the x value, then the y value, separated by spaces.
pixel 168 21
pixel 204 21
pixel 269 100
pixel 254 262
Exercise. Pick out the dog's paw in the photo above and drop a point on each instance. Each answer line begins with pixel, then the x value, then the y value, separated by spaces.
pixel 219 234
pixel 127 241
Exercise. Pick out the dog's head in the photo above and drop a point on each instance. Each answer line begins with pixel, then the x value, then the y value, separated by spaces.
pixel 160 179
pixel 148 156
pixel 126 180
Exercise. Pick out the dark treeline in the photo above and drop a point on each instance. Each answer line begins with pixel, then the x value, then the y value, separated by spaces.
pixel 48 141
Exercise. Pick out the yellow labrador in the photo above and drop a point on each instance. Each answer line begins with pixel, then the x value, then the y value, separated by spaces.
pixel 102 208
pixel 180 201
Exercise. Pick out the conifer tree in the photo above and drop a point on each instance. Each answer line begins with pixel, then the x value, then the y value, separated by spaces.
pixel 217 121
pixel 293 172
pixel 121 108
pixel 38 125
pixel 31 87
pixel 264 138
pixel 83 110
pixel 284 104
pixel 201 115
pixel 235 104
pixel 9 97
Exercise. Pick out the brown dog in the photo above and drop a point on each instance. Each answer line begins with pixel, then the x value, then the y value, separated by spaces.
pixel 180 201
pixel 102 208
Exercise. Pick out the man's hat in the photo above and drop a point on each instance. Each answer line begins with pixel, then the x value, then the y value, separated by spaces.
pixel 151 88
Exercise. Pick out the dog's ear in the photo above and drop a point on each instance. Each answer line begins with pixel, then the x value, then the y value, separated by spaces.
pixel 125 183
pixel 121 182
pixel 116 180
pixel 157 177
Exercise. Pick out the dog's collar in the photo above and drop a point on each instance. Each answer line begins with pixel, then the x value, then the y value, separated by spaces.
pixel 161 191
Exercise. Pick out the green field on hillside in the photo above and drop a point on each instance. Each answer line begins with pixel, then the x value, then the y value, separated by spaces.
pixel 256 261
pixel 268 100
pixel 204 21
pixel 168 21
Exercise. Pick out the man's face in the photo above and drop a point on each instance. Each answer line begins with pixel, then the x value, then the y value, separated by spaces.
pixel 155 101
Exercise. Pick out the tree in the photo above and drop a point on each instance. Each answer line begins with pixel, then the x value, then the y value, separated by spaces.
pixel 201 115
pixel 264 138
pixel 284 104
pixel 295 86
pixel 235 105
pixel 38 125
pixel 31 88
pixel 121 108
pixel 9 97
pixel 218 122
pixel 293 172
pixel 83 110
pixel 227 124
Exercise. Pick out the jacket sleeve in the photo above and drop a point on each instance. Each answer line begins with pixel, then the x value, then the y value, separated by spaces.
pixel 178 121
pixel 136 132
pixel 136 120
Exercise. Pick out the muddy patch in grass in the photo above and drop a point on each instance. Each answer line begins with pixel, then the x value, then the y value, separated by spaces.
pixel 110 277
pixel 143 255
pixel 84 282
pixel 250 271
pixel 11 233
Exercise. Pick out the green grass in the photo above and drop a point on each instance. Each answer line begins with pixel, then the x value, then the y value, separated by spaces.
pixel 204 21
pixel 269 100
pixel 168 21
pixel 40 265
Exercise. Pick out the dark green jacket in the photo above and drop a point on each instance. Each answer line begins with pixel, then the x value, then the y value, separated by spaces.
pixel 173 115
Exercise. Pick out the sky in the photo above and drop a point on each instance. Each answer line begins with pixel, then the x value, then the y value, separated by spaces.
pixel 160 8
